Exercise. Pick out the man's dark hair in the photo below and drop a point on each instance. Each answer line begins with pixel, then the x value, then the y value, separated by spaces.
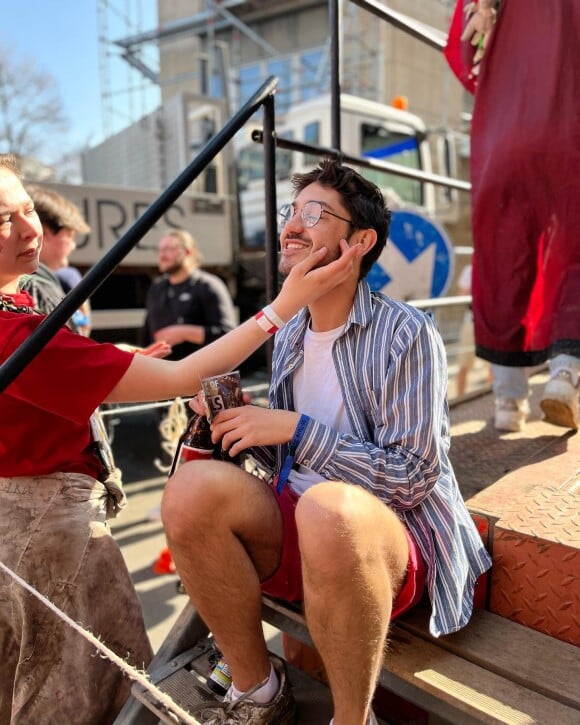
pixel 362 199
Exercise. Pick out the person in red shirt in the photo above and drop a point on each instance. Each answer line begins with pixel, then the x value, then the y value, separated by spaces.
pixel 54 501
pixel 525 152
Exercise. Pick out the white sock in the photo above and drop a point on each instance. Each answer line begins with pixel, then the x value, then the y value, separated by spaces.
pixel 265 693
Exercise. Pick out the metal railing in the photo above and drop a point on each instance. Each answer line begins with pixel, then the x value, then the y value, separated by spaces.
pixel 365 162
pixel 430 36
pixel 264 96
pixel 95 277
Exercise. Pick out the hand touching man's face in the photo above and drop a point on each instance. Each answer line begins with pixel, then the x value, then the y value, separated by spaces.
pixel 317 218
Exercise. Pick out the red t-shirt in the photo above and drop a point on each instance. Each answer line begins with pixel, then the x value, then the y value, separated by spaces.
pixel 44 412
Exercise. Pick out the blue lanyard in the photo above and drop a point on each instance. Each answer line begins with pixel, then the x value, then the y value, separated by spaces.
pixel 289 461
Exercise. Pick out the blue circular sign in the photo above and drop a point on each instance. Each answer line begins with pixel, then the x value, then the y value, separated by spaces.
pixel 418 259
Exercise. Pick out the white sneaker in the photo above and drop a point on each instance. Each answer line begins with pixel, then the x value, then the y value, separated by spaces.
pixel 560 400
pixel 511 414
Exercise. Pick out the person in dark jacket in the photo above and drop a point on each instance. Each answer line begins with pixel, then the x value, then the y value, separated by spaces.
pixel 188 307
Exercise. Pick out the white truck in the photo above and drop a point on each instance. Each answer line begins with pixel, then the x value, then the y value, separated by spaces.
pixel 418 263
pixel 367 129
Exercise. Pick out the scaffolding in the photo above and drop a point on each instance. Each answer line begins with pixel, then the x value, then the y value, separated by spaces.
pixel 129 90
pixel 134 46
pixel 153 52
pixel 139 43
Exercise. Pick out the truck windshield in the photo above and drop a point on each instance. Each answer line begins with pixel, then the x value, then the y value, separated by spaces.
pixel 250 163
pixel 398 147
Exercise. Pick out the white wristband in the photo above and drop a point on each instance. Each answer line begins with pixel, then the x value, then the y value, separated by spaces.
pixel 273 317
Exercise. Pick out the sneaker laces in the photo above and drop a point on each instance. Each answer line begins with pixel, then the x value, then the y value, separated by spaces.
pixel 566 375
pixel 233 703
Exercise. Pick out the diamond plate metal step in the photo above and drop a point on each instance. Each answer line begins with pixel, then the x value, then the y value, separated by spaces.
pixel 183 678
pixel 532 510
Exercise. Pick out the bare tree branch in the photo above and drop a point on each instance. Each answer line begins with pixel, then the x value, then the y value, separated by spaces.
pixel 31 116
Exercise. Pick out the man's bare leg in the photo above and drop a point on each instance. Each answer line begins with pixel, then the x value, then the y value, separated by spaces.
pixel 224 530
pixel 354 557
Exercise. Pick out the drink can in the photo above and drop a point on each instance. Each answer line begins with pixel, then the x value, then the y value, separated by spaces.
pixel 220 678
pixel 222 392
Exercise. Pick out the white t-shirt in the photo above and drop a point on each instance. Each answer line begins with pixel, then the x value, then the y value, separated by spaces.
pixel 317 394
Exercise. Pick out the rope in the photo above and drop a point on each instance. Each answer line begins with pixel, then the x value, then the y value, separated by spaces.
pixel 133 674
pixel 171 429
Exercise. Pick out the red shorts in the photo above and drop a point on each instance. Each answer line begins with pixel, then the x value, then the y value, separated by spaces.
pixel 286 581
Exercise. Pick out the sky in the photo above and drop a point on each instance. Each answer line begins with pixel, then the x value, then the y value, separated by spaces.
pixel 60 37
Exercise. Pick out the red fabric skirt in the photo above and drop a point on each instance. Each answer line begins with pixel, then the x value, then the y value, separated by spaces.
pixel 525 170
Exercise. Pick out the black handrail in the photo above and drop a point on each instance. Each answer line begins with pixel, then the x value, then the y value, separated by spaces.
pixel 428 35
pixel 271 240
pixel 94 278
pixel 334 28
pixel 270 199
pixel 366 162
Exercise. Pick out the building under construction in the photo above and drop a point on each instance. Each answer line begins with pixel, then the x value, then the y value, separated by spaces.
pixel 204 58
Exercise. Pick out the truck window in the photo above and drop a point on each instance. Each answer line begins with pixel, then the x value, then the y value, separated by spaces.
pixel 284 159
pixel 250 168
pixel 312 137
pixel 250 165
pixel 398 147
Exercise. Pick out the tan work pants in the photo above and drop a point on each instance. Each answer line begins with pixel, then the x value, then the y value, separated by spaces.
pixel 54 534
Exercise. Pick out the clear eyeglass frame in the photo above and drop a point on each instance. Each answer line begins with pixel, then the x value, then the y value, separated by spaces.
pixel 310 214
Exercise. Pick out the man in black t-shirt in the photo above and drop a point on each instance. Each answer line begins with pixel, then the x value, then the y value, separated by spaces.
pixel 187 307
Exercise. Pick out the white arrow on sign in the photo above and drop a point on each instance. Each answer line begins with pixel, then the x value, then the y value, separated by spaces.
pixel 409 279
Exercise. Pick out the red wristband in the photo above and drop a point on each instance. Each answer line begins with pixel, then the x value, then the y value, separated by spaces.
pixel 265 323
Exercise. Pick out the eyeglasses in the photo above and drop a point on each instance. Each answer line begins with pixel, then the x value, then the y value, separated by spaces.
pixel 310 214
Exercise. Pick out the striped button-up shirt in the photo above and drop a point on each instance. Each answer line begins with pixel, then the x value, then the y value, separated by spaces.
pixel 392 371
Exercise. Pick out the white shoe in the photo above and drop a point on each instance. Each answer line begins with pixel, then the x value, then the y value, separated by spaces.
pixel 511 414
pixel 560 400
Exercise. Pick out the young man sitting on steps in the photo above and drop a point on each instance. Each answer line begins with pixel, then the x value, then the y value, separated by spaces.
pixel 362 510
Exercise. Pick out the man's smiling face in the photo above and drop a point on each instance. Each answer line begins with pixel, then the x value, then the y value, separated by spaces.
pixel 297 240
